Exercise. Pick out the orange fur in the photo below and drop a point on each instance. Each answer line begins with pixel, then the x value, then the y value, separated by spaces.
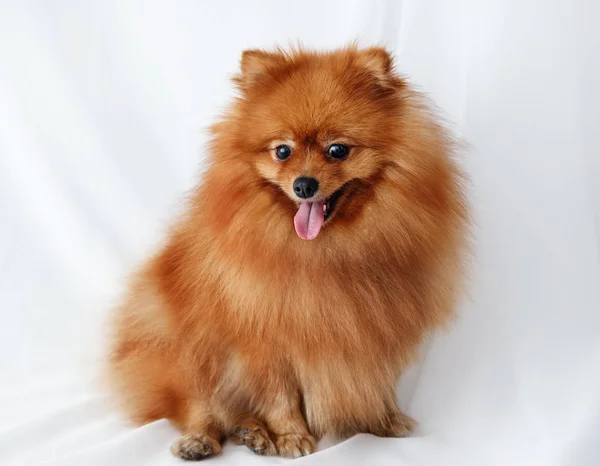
pixel 237 327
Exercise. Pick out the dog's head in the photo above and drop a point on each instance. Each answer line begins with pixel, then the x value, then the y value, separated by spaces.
pixel 318 125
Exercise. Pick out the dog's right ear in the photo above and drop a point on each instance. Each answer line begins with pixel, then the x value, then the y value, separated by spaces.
pixel 256 64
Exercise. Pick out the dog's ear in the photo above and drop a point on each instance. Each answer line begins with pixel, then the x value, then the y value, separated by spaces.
pixel 376 60
pixel 256 64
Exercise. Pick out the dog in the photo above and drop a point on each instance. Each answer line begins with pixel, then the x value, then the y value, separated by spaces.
pixel 326 240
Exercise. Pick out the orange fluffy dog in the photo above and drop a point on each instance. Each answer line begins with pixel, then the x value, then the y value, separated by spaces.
pixel 241 328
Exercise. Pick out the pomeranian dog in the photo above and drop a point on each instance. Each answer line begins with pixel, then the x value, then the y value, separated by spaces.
pixel 326 240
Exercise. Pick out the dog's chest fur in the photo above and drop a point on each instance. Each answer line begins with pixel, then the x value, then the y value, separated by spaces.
pixel 335 336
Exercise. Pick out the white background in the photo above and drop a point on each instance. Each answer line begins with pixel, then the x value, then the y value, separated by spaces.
pixel 102 110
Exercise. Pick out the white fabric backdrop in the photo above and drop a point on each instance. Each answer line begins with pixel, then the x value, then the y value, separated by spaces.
pixel 102 106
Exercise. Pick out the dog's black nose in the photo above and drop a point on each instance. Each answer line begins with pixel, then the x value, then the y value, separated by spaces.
pixel 305 187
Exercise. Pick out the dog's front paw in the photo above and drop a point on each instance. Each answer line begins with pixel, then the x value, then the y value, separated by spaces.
pixel 256 438
pixel 195 446
pixel 295 445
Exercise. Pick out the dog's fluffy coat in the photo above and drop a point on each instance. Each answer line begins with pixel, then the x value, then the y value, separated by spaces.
pixel 237 327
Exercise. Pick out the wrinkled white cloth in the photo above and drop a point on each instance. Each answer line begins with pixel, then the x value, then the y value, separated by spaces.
pixel 102 106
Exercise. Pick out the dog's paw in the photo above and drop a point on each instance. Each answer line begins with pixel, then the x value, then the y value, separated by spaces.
pixel 195 446
pixel 256 438
pixel 295 445
pixel 399 425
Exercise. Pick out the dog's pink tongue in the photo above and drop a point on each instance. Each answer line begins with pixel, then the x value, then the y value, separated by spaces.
pixel 309 219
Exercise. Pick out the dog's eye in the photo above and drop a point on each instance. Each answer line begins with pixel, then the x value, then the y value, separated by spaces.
pixel 338 151
pixel 283 152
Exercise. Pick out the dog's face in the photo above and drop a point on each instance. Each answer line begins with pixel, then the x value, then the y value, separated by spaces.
pixel 318 124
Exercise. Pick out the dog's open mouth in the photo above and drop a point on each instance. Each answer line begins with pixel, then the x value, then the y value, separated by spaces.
pixel 331 202
pixel 311 216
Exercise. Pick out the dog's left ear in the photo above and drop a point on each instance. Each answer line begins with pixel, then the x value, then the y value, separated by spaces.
pixel 377 60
